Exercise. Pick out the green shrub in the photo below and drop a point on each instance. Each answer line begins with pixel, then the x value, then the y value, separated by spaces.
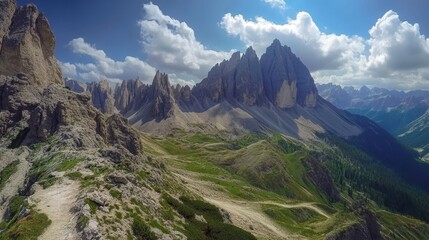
pixel 68 164
pixel 7 172
pixel 213 229
pixel 209 211
pixel 142 231
pixel 47 182
pixel 92 205
pixel 74 175
pixel 82 221
pixel 29 227
pixel 15 205
pixel 219 230
pixel 118 215
pixel 181 208
pixel 116 194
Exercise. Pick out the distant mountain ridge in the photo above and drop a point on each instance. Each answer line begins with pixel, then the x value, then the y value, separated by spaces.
pixel 403 114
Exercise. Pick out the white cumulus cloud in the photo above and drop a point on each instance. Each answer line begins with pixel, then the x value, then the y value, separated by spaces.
pixel 396 55
pixel 396 46
pixel 276 3
pixel 104 67
pixel 68 69
pixel 171 46
pixel 318 50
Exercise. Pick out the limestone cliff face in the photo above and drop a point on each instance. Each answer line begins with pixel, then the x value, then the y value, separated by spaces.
pixel 7 8
pixel 249 87
pixel 162 96
pixel 279 77
pixel 219 84
pixel 28 45
pixel 35 104
pixel 155 101
pixel 287 80
pixel 128 95
pixel 102 96
pixel 238 79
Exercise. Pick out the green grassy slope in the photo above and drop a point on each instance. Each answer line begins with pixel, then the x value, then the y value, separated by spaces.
pixel 264 169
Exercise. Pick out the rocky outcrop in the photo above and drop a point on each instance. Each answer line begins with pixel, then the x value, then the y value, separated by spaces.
pixel 366 228
pixel 279 77
pixel 162 96
pixel 72 117
pixel 7 8
pixel 102 97
pixel 219 84
pixel 120 133
pixel 238 79
pixel 75 86
pixel 155 101
pixel 28 47
pixel 249 88
pixel 319 175
pixel 128 95
pixel 287 80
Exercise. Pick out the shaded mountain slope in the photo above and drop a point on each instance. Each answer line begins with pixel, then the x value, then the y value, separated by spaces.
pixel 401 113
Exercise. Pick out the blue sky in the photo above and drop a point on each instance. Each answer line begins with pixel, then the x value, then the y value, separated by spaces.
pixel 116 40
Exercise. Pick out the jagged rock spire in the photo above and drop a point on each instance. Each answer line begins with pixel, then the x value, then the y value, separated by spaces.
pixel 287 80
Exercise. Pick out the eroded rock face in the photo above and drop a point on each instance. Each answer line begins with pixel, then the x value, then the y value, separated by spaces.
pixel 7 9
pixel 286 79
pixel 249 87
pixel 128 94
pixel 102 97
pixel 162 95
pixel 78 123
pixel 239 78
pixel 367 228
pixel 120 133
pixel 58 108
pixel 17 99
pixel 75 86
pixel 279 77
pixel 28 46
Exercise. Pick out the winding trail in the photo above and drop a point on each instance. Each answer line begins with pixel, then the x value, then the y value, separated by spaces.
pixel 56 202
pixel 297 205
pixel 246 214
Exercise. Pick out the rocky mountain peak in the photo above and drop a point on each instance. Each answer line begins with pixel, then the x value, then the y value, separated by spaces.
pixel 251 53
pixel 102 97
pixel 128 94
pixel 162 96
pixel 28 45
pixel 287 80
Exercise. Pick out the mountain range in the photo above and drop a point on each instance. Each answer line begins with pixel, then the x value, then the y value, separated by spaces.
pixel 250 152
pixel 403 114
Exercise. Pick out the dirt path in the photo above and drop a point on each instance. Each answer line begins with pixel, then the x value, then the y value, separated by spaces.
pixel 246 215
pixel 56 202
pixel 250 219
pixel 298 205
